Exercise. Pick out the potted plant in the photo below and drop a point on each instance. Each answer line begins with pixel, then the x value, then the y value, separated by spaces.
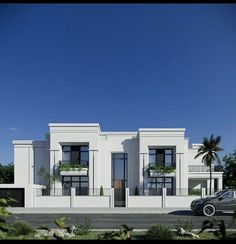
pixel 101 191
pixel 72 169
pixel 160 170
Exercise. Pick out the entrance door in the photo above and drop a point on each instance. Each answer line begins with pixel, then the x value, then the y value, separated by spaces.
pixel 119 178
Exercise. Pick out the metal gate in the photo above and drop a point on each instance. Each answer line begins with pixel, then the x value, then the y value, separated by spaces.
pixel 119 177
pixel 119 193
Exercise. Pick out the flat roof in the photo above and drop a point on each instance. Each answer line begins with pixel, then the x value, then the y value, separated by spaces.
pixel 162 129
pixel 73 124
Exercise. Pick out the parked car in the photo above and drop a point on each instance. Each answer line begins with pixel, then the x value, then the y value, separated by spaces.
pixel 224 200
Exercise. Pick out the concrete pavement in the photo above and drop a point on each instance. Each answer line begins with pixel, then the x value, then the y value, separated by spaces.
pixel 18 210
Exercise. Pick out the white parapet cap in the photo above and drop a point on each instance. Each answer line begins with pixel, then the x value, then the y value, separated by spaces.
pixel 195 145
pixel 74 125
pixel 27 142
pixel 163 129
pixel 118 133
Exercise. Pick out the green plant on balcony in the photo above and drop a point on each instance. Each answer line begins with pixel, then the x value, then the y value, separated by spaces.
pixel 162 169
pixel 71 167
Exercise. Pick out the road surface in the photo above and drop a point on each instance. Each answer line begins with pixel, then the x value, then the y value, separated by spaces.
pixel 113 221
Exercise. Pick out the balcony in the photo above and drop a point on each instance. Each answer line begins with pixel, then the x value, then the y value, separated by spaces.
pixel 70 169
pixel 199 168
pixel 161 171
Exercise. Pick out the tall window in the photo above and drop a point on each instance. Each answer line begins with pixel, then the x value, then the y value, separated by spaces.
pixel 157 183
pixel 119 167
pixel 79 182
pixel 75 154
pixel 161 156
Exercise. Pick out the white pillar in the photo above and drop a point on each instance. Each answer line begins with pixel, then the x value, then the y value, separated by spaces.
pixel 127 197
pixel 203 192
pixel 208 187
pixel 163 197
pixel 72 197
pixel 219 184
pixel 212 185
pixel 112 198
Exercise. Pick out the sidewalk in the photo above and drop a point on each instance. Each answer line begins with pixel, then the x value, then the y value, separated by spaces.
pixel 116 210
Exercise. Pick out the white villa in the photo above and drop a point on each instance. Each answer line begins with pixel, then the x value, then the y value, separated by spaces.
pixel 151 167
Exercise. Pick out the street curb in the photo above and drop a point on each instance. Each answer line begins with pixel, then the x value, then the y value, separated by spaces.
pixel 95 210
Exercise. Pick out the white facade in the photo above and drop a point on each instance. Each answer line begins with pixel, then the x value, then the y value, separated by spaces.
pixel 103 153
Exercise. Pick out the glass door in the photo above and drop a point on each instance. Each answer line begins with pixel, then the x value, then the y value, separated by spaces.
pixel 119 178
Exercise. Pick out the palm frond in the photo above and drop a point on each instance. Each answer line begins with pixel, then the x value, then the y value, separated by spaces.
pixel 199 154
pixel 218 149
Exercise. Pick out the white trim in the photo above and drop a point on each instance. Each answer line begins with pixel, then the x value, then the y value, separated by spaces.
pixel 162 129
pixel 73 125
pixel 119 133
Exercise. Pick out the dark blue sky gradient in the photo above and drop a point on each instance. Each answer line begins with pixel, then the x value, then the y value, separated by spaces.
pixel 125 66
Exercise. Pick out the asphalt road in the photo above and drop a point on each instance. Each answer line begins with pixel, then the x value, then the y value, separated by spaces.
pixel 113 221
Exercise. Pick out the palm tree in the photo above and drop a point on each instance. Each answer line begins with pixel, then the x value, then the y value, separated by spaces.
pixel 209 150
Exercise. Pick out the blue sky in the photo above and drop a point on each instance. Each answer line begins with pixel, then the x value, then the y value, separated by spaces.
pixel 125 66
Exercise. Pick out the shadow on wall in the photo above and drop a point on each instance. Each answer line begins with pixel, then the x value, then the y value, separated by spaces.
pixel 41 159
pixel 130 146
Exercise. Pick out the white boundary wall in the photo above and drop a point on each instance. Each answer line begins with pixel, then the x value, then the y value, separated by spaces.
pixel 179 201
pixel 145 201
pixel 92 202
pixel 72 201
pixel 52 202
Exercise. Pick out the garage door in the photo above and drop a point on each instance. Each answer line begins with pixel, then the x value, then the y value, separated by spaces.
pixel 16 193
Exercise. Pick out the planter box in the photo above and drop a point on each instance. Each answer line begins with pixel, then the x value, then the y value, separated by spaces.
pixel 75 172
pixel 153 173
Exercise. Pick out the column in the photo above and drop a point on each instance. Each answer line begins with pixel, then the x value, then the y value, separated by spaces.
pixel 112 198
pixel 163 197
pixel 219 184
pixel 203 192
pixel 212 185
pixel 127 197
pixel 208 187
pixel 72 197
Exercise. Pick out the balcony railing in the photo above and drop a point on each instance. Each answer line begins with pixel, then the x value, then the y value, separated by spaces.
pixel 199 168
pixel 79 191
pixel 70 169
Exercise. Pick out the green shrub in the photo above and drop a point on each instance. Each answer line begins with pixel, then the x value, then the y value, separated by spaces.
pixel 162 169
pixel 136 191
pixel 107 235
pixel 61 222
pixel 186 225
pixel 195 192
pixel 85 228
pixel 159 232
pixel 125 233
pixel 4 227
pixel 218 226
pixel 21 228
pixel 101 191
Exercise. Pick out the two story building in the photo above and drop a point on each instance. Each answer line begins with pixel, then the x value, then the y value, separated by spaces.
pixel 78 160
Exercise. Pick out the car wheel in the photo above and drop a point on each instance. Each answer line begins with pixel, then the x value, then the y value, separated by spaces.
pixel 209 210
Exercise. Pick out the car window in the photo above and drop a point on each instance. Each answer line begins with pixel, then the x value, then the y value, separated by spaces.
pixel 229 194
pixel 217 194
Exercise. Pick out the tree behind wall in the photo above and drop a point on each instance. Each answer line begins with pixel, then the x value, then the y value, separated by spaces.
pixel 49 179
pixel 229 179
pixel 7 173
